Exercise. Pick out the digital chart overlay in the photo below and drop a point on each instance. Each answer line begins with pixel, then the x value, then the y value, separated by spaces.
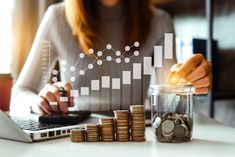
pixel 115 93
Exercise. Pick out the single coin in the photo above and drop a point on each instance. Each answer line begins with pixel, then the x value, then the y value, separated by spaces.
pixel 167 126
pixel 180 131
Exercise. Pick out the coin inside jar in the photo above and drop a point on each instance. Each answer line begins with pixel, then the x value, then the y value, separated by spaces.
pixel 167 126
pixel 156 122
pixel 180 131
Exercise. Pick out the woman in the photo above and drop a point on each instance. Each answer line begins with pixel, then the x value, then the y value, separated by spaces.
pixel 73 27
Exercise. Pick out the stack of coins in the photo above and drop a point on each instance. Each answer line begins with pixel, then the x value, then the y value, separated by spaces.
pixel 138 123
pixel 107 129
pixel 173 127
pixel 77 135
pixel 92 132
pixel 122 125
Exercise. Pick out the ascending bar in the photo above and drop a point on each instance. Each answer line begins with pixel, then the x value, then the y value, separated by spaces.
pixel 84 90
pixel 116 83
pixel 74 93
pixel 147 65
pixel 105 94
pixel 168 46
pixel 105 82
pixel 158 56
pixel 116 94
pixel 137 84
pixel 95 84
pixel 95 95
pixel 126 90
pixel 126 77
pixel 136 70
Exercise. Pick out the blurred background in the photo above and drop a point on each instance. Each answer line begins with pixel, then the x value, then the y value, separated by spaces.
pixel 21 18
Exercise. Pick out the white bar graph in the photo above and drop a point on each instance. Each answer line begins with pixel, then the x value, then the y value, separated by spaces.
pixel 84 91
pixel 53 103
pixel 114 92
pixel 105 81
pixel 63 99
pixel 147 65
pixel 158 56
pixel 136 70
pixel 116 83
pixel 126 77
pixel 74 93
pixel 95 85
pixel 168 46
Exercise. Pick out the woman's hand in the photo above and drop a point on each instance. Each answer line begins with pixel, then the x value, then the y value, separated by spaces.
pixel 196 70
pixel 50 94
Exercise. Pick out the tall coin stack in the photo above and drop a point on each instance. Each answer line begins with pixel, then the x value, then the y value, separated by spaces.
pixel 138 123
pixel 122 125
pixel 107 129
pixel 92 132
pixel 77 135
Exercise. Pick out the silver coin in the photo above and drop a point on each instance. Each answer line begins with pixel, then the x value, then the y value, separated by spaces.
pixel 167 126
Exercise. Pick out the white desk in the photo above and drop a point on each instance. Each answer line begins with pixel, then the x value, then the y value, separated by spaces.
pixel 210 139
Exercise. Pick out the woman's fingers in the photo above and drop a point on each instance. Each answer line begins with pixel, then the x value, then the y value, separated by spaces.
pixel 203 90
pixel 201 71
pixel 203 82
pixel 196 71
pixel 186 68
pixel 50 99
pixel 67 87
pixel 43 104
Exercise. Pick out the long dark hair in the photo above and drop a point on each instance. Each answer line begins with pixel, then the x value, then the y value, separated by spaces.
pixel 81 16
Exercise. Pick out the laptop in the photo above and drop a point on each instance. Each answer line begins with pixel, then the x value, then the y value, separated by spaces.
pixel 28 130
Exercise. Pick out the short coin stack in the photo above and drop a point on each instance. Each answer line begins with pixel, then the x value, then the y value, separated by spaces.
pixel 92 132
pixel 138 123
pixel 173 127
pixel 122 125
pixel 77 135
pixel 107 129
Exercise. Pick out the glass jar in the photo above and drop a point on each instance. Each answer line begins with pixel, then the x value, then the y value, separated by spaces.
pixel 172 113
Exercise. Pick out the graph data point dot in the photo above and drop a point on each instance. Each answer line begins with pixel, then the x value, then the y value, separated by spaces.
pixel 109 58
pixel 91 51
pixel 118 60
pixel 127 48
pixel 72 79
pixel 136 53
pixel 63 69
pixel 99 53
pixel 90 66
pixel 54 72
pixel 127 60
pixel 72 68
pixel 81 72
pixel 118 53
pixel 54 79
pixel 109 46
pixel 99 62
pixel 136 44
pixel 82 55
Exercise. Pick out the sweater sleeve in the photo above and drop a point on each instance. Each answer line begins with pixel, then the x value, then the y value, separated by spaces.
pixel 29 82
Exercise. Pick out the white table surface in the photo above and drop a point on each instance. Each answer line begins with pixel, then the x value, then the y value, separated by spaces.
pixel 210 139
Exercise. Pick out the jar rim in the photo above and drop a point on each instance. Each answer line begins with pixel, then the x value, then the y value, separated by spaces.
pixel 182 88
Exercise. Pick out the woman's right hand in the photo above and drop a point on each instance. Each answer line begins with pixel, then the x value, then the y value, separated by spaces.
pixel 50 93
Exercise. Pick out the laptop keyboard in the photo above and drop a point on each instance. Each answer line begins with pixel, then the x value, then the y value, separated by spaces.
pixel 34 125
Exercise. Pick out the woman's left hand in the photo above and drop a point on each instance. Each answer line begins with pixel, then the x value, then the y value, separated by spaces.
pixel 196 70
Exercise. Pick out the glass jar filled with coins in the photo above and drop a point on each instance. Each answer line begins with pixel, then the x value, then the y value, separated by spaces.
pixel 172 113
